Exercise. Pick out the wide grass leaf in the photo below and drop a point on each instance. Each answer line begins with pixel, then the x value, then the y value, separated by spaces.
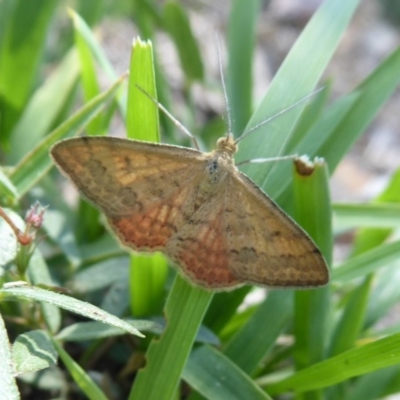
pixel 368 358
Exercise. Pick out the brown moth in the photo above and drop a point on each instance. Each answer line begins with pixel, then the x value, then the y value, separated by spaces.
pixel 217 226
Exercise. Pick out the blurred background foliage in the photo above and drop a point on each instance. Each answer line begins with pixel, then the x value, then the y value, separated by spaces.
pixel 60 64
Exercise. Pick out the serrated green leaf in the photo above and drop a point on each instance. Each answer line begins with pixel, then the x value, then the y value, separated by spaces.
pixel 81 331
pixel 67 303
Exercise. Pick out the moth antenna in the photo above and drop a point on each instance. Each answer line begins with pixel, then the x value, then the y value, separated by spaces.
pixel 278 114
pixel 265 160
pixel 176 122
pixel 225 97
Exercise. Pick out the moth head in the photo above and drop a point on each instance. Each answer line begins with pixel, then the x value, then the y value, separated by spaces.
pixel 227 145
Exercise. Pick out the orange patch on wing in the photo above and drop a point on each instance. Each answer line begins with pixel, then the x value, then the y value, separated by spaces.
pixel 204 257
pixel 148 231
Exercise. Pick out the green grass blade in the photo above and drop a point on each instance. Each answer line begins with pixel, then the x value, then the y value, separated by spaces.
pixel 393 386
pixel 37 162
pixel 89 228
pixel 351 321
pixel 367 262
pixel 372 386
pixel 313 140
pixel 313 207
pixel 314 38
pixel 229 301
pixel 217 377
pixel 358 307
pixel 385 295
pixel 373 93
pixel 310 54
pixel 142 118
pixel 250 345
pixel 368 358
pixel 369 97
pixel 166 357
pixel 178 26
pixel 239 82
pixel 311 114
pixel 89 82
pixel 81 378
pixel 311 311
pixel 20 53
pixel 146 16
pixel 92 43
pixel 6 10
pixel 379 215
pixel 369 238
pixel 52 96
pixel 148 273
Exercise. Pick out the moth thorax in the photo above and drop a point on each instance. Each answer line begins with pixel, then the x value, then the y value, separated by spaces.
pixel 227 145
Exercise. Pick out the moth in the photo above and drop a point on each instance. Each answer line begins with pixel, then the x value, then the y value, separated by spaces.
pixel 219 229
